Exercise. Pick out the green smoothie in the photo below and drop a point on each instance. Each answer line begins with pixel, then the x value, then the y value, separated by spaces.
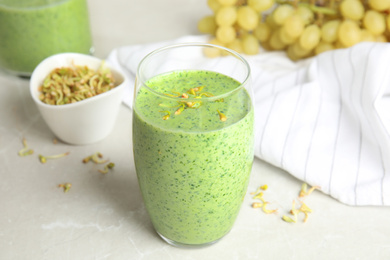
pixel 31 30
pixel 193 167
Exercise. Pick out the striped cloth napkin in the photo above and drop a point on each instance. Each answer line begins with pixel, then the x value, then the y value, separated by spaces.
pixel 325 120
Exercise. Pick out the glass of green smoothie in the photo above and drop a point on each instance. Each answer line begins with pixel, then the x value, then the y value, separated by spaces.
pixel 32 30
pixel 193 121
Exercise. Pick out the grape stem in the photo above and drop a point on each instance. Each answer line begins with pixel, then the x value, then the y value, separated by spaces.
pixel 312 6
pixel 321 9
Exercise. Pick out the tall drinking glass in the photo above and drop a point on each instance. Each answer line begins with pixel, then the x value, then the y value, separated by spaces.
pixel 32 30
pixel 193 125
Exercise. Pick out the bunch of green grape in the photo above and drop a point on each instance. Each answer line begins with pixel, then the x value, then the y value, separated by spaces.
pixel 302 28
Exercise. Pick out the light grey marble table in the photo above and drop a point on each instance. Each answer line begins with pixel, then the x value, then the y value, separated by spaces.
pixel 103 216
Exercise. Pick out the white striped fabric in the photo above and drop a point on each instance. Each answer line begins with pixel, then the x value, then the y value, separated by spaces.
pixel 325 120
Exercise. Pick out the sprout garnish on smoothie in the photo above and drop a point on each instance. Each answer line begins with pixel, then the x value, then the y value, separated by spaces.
pixel 193 93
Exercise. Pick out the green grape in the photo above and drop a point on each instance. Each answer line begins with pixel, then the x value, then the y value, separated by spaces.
pixel 349 33
pixel 366 36
pixel 310 37
pixel 285 37
pixel 352 9
pixel 213 52
pixel 299 50
pixel 379 5
pixel 323 47
pixel 266 46
pixel 296 52
pixel 214 5
pixel 227 2
pixel 235 45
pixel 380 38
pixel 281 13
pixel 225 34
pixel 226 15
pixel 240 32
pixel 275 43
pixel 261 5
pixel 291 54
pixel 388 22
pixel 374 22
pixel 247 18
pixel 250 44
pixel 294 26
pixel 306 14
pixel 269 20
pixel 329 31
pixel 207 25
pixel 262 32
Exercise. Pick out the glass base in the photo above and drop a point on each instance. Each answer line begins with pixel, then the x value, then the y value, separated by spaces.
pixel 27 75
pixel 182 245
pixel 20 74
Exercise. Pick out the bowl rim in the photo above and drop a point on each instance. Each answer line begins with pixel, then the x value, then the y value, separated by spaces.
pixel 36 74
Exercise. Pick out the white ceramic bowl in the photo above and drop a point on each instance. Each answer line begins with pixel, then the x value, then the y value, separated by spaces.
pixel 84 122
